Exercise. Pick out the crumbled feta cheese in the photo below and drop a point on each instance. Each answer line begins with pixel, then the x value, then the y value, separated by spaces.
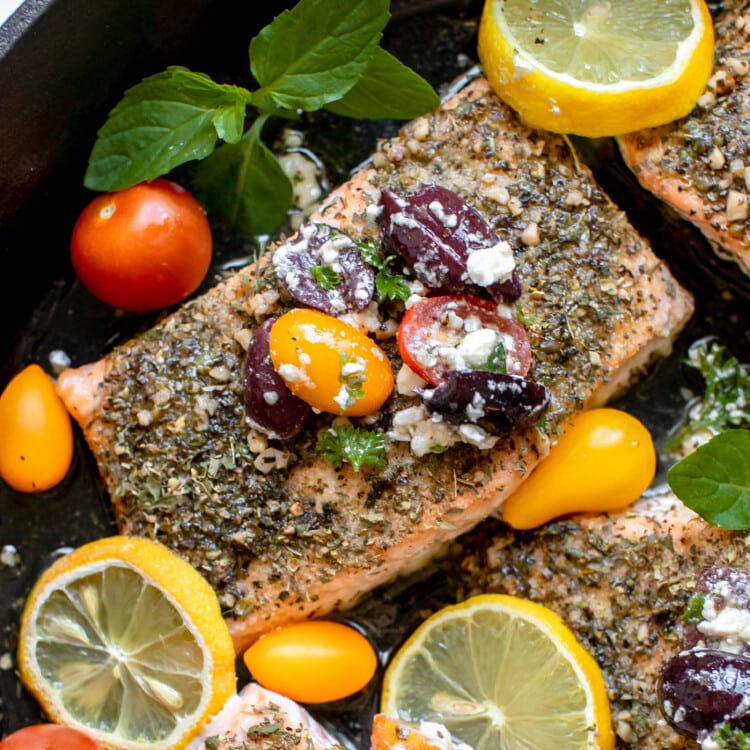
pixel 477 347
pixel 438 211
pixel 490 265
pixel 407 381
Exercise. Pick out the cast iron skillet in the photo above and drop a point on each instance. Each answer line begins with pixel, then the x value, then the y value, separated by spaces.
pixel 63 65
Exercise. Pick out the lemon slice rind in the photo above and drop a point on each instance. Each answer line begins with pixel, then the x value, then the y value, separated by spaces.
pixel 549 692
pixel 554 100
pixel 134 669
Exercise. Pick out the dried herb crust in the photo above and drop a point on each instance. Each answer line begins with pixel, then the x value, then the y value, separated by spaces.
pixel 182 465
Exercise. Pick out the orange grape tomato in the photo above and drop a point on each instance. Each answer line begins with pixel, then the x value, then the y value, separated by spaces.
pixel 315 661
pixel 329 363
pixel 48 737
pixel 392 734
pixel 36 434
pixel 604 460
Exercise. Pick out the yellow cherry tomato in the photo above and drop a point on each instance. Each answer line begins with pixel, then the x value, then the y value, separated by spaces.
pixel 315 661
pixel 36 435
pixel 330 364
pixel 604 460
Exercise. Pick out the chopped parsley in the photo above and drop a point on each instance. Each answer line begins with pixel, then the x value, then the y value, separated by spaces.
pixel 325 277
pixel 731 739
pixel 388 285
pixel 726 398
pixel 693 613
pixel 352 376
pixel 353 445
pixel 497 361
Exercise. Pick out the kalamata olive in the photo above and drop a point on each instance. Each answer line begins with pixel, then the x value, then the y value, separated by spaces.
pixel 269 404
pixel 322 268
pixel 701 689
pixel 435 232
pixel 722 594
pixel 476 395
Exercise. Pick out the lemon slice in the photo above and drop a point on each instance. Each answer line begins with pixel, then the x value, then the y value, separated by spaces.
pixel 500 673
pixel 597 68
pixel 125 641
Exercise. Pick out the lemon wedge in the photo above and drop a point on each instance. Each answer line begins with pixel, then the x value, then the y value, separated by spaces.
pixel 595 67
pixel 124 640
pixel 500 673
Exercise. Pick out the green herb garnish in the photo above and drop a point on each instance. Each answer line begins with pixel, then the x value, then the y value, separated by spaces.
pixel 731 739
pixel 319 54
pixel 353 445
pixel 693 613
pixel 325 277
pixel 497 361
pixel 388 285
pixel 352 376
pixel 714 480
pixel 726 397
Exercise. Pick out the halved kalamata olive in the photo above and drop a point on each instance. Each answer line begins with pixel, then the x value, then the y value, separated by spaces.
pixel 321 267
pixel 701 689
pixel 466 396
pixel 269 404
pixel 722 594
pixel 447 244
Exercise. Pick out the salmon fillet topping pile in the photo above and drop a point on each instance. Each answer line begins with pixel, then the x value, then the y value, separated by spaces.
pixel 700 165
pixel 279 533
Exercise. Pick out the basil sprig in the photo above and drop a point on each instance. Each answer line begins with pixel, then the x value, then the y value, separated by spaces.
pixel 318 54
pixel 714 480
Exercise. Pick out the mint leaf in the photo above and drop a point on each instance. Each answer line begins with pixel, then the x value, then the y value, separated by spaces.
pixel 388 88
pixel 314 53
pixel 164 121
pixel 714 480
pixel 244 184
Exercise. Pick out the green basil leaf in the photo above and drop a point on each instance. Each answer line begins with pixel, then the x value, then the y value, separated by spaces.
pixel 313 53
pixel 164 121
pixel 244 184
pixel 388 88
pixel 714 480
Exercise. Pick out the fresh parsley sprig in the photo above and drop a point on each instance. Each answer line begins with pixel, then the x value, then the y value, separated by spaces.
pixel 341 444
pixel 318 54
pixel 725 402
pixel 388 285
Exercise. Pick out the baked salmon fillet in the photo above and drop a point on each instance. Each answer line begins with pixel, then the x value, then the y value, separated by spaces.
pixel 700 165
pixel 622 583
pixel 278 532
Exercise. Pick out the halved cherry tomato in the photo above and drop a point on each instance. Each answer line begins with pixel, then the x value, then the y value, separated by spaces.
pixel 143 248
pixel 315 661
pixel 330 364
pixel 48 737
pixel 36 434
pixel 436 332
pixel 604 460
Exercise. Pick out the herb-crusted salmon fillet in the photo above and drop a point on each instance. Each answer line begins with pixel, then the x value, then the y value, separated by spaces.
pixel 622 582
pixel 700 165
pixel 281 532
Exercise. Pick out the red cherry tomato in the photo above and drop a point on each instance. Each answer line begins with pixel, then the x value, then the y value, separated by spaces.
pixel 456 332
pixel 314 661
pixel 48 737
pixel 143 248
